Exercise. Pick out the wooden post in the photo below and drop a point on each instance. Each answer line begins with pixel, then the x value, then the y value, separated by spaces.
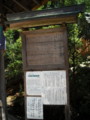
pixel 2 88
pixel 2 76
pixel 0 109
pixel 67 107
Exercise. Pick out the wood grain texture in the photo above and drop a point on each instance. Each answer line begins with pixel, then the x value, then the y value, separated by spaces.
pixel 47 13
pixel 44 49
pixel 43 22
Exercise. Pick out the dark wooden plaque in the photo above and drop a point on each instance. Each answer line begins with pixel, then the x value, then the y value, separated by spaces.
pixel 45 49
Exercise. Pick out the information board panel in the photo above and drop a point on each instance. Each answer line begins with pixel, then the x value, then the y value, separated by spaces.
pixel 54 85
pixel 33 83
pixel 34 108
pixel 51 85
pixel 45 49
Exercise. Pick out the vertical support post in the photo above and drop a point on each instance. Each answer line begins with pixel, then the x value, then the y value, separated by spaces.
pixel 67 112
pixel 2 88
pixel 2 75
pixel 67 107
pixel 0 109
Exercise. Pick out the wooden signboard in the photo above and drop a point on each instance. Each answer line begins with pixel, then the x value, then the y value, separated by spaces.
pixel 45 63
pixel 45 49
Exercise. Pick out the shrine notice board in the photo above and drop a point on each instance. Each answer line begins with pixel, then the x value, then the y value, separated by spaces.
pixel 45 63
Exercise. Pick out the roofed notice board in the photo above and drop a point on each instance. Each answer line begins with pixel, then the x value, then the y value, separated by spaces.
pixel 45 49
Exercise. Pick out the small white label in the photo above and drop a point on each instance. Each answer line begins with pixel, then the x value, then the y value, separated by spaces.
pixel 34 108
pixel 33 83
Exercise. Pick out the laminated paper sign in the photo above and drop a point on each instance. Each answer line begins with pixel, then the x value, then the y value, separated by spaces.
pixel 33 83
pixel 54 85
pixel 51 85
pixel 34 108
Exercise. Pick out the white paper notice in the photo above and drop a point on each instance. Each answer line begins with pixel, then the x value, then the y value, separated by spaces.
pixel 54 85
pixel 34 108
pixel 33 83
pixel 51 85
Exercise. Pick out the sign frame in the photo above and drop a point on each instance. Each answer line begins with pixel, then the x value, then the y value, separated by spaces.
pixel 66 67
pixel 27 67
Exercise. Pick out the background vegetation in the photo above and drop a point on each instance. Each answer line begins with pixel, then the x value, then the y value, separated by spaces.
pixel 79 63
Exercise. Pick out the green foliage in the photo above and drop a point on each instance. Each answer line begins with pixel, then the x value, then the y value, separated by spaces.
pixel 84 27
pixel 75 44
pixel 13 58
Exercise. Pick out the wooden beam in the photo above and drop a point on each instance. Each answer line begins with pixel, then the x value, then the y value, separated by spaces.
pixel 43 22
pixel 59 12
pixel 37 6
pixel 20 5
pixel 8 8
pixel 35 1
pixel 45 17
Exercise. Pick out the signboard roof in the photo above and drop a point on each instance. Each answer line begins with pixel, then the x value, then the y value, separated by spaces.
pixel 68 10
pixel 66 14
